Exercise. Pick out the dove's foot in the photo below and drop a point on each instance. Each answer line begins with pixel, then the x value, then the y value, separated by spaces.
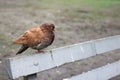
pixel 39 51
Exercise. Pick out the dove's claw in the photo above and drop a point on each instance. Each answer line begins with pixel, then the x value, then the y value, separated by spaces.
pixel 39 51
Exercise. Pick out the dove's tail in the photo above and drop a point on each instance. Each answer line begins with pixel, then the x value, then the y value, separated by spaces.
pixel 22 49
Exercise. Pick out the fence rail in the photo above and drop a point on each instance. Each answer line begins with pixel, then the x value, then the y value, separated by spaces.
pixel 103 73
pixel 30 64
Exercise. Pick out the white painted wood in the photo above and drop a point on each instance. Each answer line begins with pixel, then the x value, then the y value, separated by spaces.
pixel 30 64
pixel 107 44
pixel 102 73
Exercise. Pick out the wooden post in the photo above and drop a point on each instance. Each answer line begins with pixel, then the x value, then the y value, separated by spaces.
pixel 30 77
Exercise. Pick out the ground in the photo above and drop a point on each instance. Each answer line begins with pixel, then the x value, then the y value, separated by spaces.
pixel 76 21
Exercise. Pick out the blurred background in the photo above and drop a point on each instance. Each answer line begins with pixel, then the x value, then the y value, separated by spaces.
pixel 75 20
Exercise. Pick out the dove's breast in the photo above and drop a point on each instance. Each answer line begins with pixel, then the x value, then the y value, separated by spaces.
pixel 45 41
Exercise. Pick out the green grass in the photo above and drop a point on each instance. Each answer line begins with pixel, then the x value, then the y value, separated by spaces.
pixel 100 3
pixel 71 8
pixel 77 3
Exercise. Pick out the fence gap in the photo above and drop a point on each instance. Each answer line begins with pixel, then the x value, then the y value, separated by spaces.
pixel 30 77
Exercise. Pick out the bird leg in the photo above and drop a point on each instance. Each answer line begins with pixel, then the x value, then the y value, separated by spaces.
pixel 40 51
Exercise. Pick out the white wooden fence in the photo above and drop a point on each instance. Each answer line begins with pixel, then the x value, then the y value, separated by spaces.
pixel 31 64
pixel 103 73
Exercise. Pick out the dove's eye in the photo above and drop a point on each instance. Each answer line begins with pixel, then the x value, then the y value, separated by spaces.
pixel 52 28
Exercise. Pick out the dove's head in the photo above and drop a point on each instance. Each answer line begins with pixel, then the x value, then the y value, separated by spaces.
pixel 49 26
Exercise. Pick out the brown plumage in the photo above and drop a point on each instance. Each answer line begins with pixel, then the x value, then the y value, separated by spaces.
pixel 38 38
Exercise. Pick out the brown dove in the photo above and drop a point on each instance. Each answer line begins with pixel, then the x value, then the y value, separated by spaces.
pixel 37 38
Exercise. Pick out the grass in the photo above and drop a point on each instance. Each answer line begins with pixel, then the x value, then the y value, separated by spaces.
pixel 77 3
pixel 72 8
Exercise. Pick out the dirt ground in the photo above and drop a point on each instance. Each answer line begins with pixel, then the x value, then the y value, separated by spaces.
pixel 72 26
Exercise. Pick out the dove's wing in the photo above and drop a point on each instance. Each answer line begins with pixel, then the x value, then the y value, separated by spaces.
pixel 30 37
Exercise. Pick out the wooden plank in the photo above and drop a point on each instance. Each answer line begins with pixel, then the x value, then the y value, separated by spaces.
pixel 104 45
pixel 30 64
pixel 102 73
